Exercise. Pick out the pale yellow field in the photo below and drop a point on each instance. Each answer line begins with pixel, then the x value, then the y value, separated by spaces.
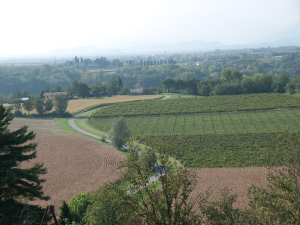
pixel 81 104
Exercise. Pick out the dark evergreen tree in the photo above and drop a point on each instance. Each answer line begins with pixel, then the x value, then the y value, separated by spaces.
pixel 64 214
pixel 18 185
pixel 48 105
pixel 120 83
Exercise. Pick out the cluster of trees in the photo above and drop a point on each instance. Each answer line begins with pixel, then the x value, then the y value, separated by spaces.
pixel 136 201
pixel 86 62
pixel 232 82
pixel 60 103
pixel 33 77
pixel 101 62
pixel 82 90
pixel 112 87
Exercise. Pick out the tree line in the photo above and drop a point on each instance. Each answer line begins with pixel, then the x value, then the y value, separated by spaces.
pixel 232 82
pixel 60 102
pixel 34 78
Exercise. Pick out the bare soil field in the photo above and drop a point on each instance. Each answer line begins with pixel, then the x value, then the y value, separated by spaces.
pixel 75 164
pixel 236 179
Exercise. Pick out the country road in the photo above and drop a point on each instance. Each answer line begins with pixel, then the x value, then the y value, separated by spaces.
pixel 71 122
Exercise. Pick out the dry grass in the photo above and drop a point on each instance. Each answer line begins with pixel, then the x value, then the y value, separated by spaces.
pixel 236 179
pixel 75 164
pixel 40 126
pixel 81 104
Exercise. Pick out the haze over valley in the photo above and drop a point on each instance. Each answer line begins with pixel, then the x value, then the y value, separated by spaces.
pixel 150 112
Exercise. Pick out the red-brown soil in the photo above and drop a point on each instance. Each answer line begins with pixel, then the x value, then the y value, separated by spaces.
pixel 236 179
pixel 75 164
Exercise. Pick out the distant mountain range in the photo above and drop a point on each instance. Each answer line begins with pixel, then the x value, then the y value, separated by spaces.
pixel 285 37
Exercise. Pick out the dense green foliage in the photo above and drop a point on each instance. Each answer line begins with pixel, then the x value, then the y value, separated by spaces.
pixel 64 214
pixel 219 150
pixel 259 121
pixel 35 78
pixel 199 105
pixel 72 212
pixel 107 207
pixel 18 185
pixel 119 132
pixel 61 103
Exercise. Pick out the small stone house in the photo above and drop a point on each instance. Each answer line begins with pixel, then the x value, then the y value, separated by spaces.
pixel 51 95
pixel 138 88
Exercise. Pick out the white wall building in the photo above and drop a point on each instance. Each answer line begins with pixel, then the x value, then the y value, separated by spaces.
pixel 138 88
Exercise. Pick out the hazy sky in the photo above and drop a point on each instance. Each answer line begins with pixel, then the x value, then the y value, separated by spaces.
pixel 39 26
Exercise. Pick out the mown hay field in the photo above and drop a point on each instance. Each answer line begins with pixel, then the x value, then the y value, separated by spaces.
pixel 78 105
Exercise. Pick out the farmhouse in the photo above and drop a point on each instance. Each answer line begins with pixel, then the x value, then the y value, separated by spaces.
pixel 51 95
pixel 138 88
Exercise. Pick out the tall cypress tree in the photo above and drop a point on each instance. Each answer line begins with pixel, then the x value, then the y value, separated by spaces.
pixel 18 185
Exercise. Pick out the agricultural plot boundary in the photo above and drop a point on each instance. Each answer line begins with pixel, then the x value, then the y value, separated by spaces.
pixel 209 104
pixel 262 121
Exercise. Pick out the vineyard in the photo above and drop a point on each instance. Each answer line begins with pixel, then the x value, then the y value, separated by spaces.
pixel 259 121
pixel 220 150
pixel 199 105
pixel 215 131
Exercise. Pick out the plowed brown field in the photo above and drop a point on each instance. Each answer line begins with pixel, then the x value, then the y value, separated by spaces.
pixel 236 179
pixel 75 164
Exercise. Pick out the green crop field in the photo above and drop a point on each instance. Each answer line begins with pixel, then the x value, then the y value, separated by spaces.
pixel 262 121
pixel 221 150
pixel 215 131
pixel 199 105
